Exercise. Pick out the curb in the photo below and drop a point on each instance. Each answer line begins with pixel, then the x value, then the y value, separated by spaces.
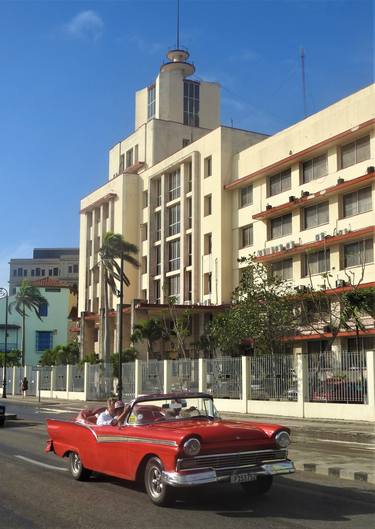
pixel 335 472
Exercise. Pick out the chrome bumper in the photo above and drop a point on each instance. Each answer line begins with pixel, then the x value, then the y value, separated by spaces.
pixel 204 476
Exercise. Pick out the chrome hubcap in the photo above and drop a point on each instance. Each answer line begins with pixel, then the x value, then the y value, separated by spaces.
pixel 155 481
pixel 76 464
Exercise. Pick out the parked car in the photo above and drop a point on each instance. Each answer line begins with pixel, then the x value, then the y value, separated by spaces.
pixel 339 390
pixel 174 440
pixel 2 415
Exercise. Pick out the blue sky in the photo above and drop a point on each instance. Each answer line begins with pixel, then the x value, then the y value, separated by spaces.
pixel 69 70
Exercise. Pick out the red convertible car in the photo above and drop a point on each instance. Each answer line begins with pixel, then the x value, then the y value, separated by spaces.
pixel 174 440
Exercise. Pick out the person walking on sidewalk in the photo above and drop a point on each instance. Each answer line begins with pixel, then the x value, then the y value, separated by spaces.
pixel 24 386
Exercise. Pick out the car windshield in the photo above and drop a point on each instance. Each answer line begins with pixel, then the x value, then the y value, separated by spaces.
pixel 172 409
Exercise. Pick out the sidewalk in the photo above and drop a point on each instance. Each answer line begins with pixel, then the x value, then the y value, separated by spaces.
pixel 339 449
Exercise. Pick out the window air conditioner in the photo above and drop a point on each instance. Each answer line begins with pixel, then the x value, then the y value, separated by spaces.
pixel 340 283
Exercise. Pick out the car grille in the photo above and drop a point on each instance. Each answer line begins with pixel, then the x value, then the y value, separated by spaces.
pixel 233 460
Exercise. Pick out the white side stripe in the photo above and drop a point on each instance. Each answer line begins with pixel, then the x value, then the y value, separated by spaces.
pixel 41 464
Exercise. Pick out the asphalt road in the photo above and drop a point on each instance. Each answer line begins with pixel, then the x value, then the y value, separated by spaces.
pixel 33 496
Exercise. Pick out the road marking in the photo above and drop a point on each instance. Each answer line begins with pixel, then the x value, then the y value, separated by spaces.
pixel 53 410
pixel 367 446
pixel 41 464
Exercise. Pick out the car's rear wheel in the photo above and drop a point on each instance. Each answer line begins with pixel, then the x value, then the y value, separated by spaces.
pixel 77 470
pixel 260 486
pixel 159 493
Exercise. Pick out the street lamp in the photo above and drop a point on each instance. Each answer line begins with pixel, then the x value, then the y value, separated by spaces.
pixel 4 294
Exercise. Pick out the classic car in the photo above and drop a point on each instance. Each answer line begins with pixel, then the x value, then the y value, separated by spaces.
pixel 339 390
pixel 2 415
pixel 173 440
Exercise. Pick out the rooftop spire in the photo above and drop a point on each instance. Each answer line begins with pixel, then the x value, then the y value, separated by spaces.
pixel 177 58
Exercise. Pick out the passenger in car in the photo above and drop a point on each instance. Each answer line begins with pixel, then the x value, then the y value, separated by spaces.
pixel 108 416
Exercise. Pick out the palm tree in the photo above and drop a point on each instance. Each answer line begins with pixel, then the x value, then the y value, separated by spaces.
pixel 150 330
pixel 28 298
pixel 114 247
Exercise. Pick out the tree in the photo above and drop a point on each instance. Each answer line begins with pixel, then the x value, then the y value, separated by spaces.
pixel 114 247
pixel 28 298
pixel 61 355
pixel 13 358
pixel 262 313
pixel 150 330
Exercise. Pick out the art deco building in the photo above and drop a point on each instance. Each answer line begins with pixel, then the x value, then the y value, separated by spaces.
pixel 194 196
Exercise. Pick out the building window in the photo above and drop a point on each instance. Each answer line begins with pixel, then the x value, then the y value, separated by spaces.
pixel 246 196
pixel 189 210
pixel 355 152
pixel 129 158
pixel 279 183
pixel 174 287
pixel 316 263
pixel 122 164
pixel 157 188
pixel 174 255
pixel 246 236
pixel 358 253
pixel 75 269
pixel 358 202
pixel 145 199
pixel 135 153
pixel 44 340
pixel 157 291
pixel 70 269
pixel 43 272
pixel 283 269
pixel 20 272
pixel 55 271
pixel 144 231
pixel 207 279
pixel 37 272
pixel 189 177
pixel 15 272
pixel 315 216
pixel 43 310
pixel 315 168
pixel 207 205
pixel 105 210
pixel 24 272
pixel 157 260
pixel 50 271
pixel 174 220
pixel 189 246
pixel 188 289
pixel 207 243
pixel 174 185
pixel 185 142
pixel 157 226
pixel 144 265
pixel 14 290
pixel 281 226
pixel 208 166
pixel 32 273
pixel 151 100
pixel 191 103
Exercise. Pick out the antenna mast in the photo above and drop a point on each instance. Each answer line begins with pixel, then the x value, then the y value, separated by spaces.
pixel 178 24
pixel 303 82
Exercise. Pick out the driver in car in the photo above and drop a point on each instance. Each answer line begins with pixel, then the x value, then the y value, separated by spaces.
pixel 177 411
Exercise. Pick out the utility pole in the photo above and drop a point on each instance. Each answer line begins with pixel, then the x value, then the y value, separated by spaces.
pixel 4 293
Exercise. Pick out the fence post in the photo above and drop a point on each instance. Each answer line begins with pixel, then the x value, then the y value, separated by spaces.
pixel 138 378
pixel 302 381
pixel 86 381
pixel 68 379
pixel 13 380
pixel 245 378
pixel 370 364
pixel 167 367
pixel 53 380
pixel 202 374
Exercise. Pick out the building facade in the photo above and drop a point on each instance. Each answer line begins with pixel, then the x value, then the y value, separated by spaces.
pixel 54 327
pixel 61 263
pixel 195 196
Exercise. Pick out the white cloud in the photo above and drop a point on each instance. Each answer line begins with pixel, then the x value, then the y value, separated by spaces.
pixel 144 45
pixel 86 25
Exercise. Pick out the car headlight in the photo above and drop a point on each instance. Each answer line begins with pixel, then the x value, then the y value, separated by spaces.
pixel 282 439
pixel 192 446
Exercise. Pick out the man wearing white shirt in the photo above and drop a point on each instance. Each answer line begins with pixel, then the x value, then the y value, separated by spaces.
pixel 108 416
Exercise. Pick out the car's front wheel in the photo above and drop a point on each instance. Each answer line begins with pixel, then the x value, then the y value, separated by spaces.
pixel 77 470
pixel 260 486
pixel 159 493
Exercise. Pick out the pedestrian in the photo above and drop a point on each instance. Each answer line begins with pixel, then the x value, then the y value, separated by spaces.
pixel 24 386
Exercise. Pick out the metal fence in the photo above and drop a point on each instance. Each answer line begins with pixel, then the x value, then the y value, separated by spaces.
pixel 273 377
pixel 336 377
pixel 100 381
pixel 60 378
pixel 152 376
pixel 77 379
pixel 128 381
pixel 224 377
pixel 184 375
pixel 45 378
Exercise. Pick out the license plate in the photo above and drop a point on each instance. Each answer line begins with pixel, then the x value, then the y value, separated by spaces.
pixel 243 477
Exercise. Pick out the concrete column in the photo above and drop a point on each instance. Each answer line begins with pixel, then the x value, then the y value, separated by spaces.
pixel 245 377
pixel 37 384
pixel 14 389
pixel 86 381
pixel 53 380
pixel 68 380
pixel 202 373
pixel 303 381
pixel 370 362
pixel 167 367
pixel 138 377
